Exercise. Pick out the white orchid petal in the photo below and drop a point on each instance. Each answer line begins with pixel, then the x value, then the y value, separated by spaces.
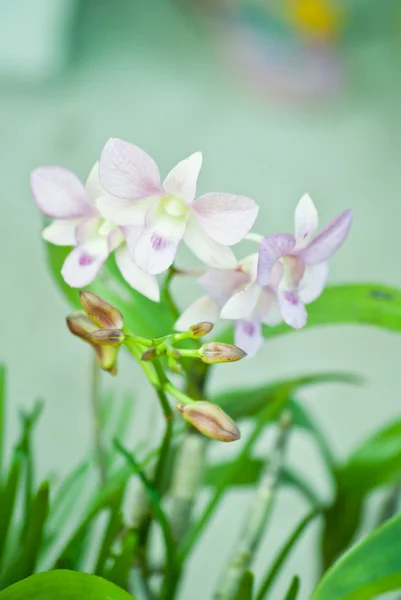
pixel 81 266
pixel 203 309
pixel 157 245
pixel 221 284
pixel 207 250
pixel 59 193
pixel 248 336
pixel 226 218
pixel 313 282
pixel 292 309
pixel 121 212
pixel 306 221
pixel 61 232
pixel 126 171
pixel 242 304
pixel 182 179
pixel 144 283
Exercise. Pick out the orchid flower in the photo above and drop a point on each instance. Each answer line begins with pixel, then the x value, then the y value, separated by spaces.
pixel 169 212
pixel 274 285
pixel 77 222
pixel 223 284
pixel 292 271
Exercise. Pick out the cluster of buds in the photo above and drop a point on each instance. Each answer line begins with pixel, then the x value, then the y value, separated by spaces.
pixel 101 325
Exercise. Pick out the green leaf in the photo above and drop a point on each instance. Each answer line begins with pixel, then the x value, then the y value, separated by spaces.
pixel 8 497
pixel 245 590
pixel 359 303
pixel 341 522
pixel 293 590
pixel 248 402
pixel 141 315
pixel 250 473
pixel 120 571
pixel 64 585
pixel 376 462
pixel 2 417
pixel 283 554
pixel 25 562
pixel 113 528
pixel 370 568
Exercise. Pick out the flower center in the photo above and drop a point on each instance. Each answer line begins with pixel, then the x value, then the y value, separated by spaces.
pixel 175 207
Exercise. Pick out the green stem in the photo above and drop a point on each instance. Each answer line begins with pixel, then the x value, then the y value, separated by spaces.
pixel 176 393
pixel 97 424
pixel 256 520
pixel 194 534
pixel 166 293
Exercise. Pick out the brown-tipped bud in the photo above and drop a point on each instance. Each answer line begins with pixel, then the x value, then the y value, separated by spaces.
pixel 218 352
pixel 102 313
pixel 107 337
pixel 201 329
pixel 175 366
pixel 149 354
pixel 81 325
pixel 210 420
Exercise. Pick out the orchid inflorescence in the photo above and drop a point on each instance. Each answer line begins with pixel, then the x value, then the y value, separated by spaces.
pixel 125 209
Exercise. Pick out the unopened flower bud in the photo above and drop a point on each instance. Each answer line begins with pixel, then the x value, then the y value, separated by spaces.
pixel 107 337
pixel 211 420
pixel 175 366
pixel 201 329
pixel 218 352
pixel 149 354
pixel 81 325
pixel 102 313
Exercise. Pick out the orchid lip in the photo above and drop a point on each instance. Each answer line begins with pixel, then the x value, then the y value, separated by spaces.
pixel 174 207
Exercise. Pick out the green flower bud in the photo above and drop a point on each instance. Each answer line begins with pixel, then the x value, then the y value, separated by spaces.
pixel 218 352
pixel 201 329
pixel 102 313
pixel 211 420
pixel 149 355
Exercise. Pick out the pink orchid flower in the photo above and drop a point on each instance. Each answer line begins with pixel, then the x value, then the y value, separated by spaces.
pixel 223 284
pixel 292 270
pixel 169 212
pixel 274 285
pixel 77 222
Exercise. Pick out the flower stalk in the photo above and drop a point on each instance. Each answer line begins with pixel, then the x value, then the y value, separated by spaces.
pixel 257 518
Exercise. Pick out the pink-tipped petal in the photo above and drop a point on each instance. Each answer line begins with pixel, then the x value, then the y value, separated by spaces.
pixel 206 249
pixel 59 193
pixel 61 232
pixel 80 268
pixel 248 336
pixel 203 309
pixel 271 249
pixel 221 284
pixel 139 280
pixel 242 304
pixel 328 241
pixel 126 171
pixel 121 212
pixel 182 179
pixel 313 282
pixel 306 221
pixel 226 218
pixel 157 245
pixel 292 309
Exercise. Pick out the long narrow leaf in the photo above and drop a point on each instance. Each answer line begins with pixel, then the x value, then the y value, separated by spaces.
pixel 2 418
pixel 245 590
pixel 120 571
pixel 25 562
pixel 8 497
pixel 283 555
pixel 293 590
pixel 113 528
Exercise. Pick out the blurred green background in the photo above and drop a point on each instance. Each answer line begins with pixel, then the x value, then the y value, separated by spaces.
pixel 175 78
